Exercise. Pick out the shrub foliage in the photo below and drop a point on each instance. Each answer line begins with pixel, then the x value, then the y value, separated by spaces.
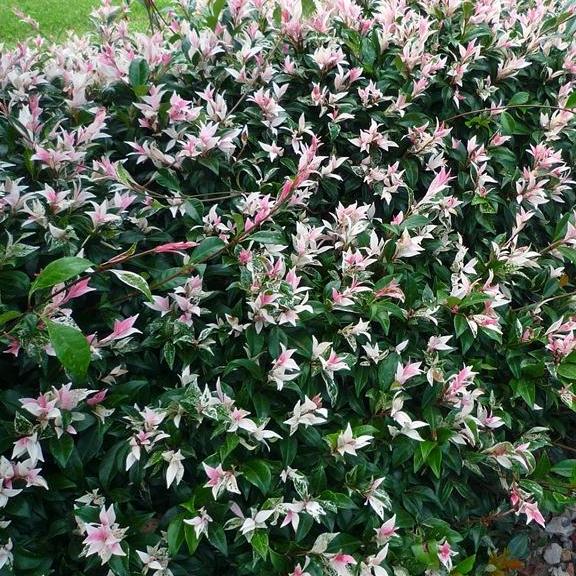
pixel 287 288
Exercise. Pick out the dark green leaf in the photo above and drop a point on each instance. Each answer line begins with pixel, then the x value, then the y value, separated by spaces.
pixel 249 365
pixel 466 565
pixel 525 389
pixel 138 72
pixel 112 462
pixel 308 8
pixel 175 535
pixel 566 468
pixel 119 565
pixel 168 179
pixel 230 443
pixel 13 284
pixel 217 537
pixel 207 249
pixel 257 472
pixel 216 8
pixel 212 163
pixel 71 347
pixel 60 271
pixel 519 98
pixel 61 448
pixel 10 315
pixel 518 547
pixel 508 124
pixel 192 540
pixel 567 370
pixel 434 460
pixel 342 501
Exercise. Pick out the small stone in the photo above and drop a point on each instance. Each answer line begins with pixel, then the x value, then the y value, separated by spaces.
pixel 553 554
pixel 566 555
pixel 560 525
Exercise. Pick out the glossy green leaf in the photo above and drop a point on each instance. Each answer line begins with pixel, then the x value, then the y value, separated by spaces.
pixel 59 271
pixel 175 534
pixel 61 449
pixel 466 565
pixel 519 98
pixel 566 468
pixel 207 249
pixel 257 472
pixel 71 348
pixel 138 72
pixel 567 370
pixel 217 537
pixel 525 389
pixel 8 316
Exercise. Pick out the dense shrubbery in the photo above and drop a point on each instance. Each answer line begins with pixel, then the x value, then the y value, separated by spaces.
pixel 288 289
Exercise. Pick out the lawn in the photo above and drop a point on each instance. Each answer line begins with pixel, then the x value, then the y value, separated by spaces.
pixel 57 17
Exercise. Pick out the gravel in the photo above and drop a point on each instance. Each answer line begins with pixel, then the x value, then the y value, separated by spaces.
pixel 553 554
pixel 556 555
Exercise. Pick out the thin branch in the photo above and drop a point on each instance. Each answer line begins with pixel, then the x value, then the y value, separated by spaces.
pixel 511 106
pixel 537 304
pixel 564 447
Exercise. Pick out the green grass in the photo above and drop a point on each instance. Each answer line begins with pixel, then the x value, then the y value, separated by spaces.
pixel 57 17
